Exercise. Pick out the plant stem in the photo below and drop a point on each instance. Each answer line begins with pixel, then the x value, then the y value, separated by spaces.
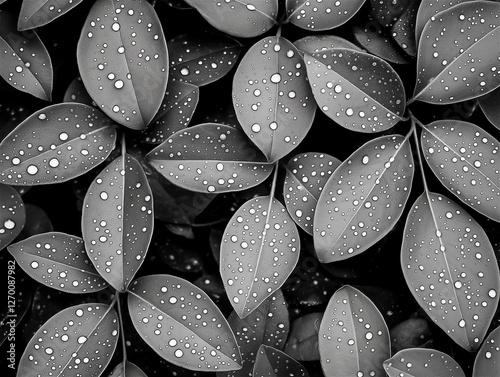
pixel 420 161
pixel 124 144
pixel 275 178
pixel 122 330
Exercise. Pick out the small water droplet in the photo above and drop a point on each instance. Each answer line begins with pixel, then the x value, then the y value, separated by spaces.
pixel 34 264
pixel 115 26
pixel 276 78
pixel 32 170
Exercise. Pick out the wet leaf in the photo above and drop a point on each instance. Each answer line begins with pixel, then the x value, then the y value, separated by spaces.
pixel 449 69
pixel 127 369
pixel 421 362
pixel 429 8
pixel 450 267
pixel 388 12
pixel 56 144
pixel 210 157
pixel 489 105
pixel 403 31
pixel 117 221
pixel 36 13
pixel 172 315
pixel 317 43
pixel 123 60
pixel 76 92
pixel 488 356
pixel 353 337
pixel 414 332
pixel 464 157
pixel 302 343
pixel 359 91
pixel 202 59
pixel 306 175
pixel 272 98
pixel 59 261
pixel 259 250
pixel 26 63
pixel 321 14
pixel 271 362
pixel 80 338
pixel 363 198
pixel 12 215
pixel 240 19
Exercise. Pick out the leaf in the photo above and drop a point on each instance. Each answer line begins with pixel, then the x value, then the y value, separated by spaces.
pixel 449 69
pixel 272 99
pixel 202 59
pixel 302 343
pixel 12 215
pixel 259 250
pixel 117 221
pixel 388 12
pixel 421 362
pixel 488 356
pixel 359 91
pixel 59 261
pixel 306 175
pixel 127 369
pixel 317 43
pixel 321 14
pixel 363 198
pixel 489 106
pixel 123 60
pixel 26 63
pixel 353 337
pixel 76 92
pixel 464 157
pixel 274 363
pixel 56 144
pixel 78 340
pixel 450 267
pixel 210 157
pixel 182 324
pixel 237 18
pixel 403 30
pixel 36 13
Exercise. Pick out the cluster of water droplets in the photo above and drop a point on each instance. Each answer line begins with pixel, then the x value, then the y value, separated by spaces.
pixel 12 214
pixel 321 14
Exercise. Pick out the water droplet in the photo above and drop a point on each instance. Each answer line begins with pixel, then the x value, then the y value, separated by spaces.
pixel 178 353
pixel 492 293
pixel 276 78
pixel 119 84
pixel 54 163
pixel 63 136
pixel 255 127
pixel 365 160
pixel 104 195
pixel 32 170
pixel 34 264
pixel 184 71
pixel 115 26
pixel 82 339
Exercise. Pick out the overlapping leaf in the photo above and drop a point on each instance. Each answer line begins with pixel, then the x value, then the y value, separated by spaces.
pixel 359 91
pixel 458 54
pixel 274 363
pixel 210 157
pixel 36 13
pixel 451 269
pixel 271 96
pixel 363 198
pixel 127 369
pixel 488 356
pixel 465 158
pixel 353 337
pixel 317 43
pixel 76 92
pixel 80 338
pixel 489 105
pixel 182 324
pixel 123 60
pixel 12 215
pixel 259 250
pixel 56 144
pixel 117 221
pixel 302 343
pixel 429 8
pixel 388 12
pixel 403 31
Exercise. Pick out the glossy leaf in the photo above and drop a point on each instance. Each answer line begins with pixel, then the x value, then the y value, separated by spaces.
pixel 359 91
pixel 200 60
pixel 12 215
pixel 127 369
pixel 429 8
pixel 465 158
pixel 403 31
pixel 56 144
pixel 76 92
pixel 123 60
pixel 172 315
pixel 210 157
pixel 302 343
pixel 259 250
pixel 388 12
pixel 488 356
pixel 353 337
pixel 272 98
pixel 363 198
pixel 317 43
pixel 321 14
pixel 80 338
pixel 306 175
pixel 36 13
pixel 271 362
pixel 422 362
pixel 59 261
pixel 26 63
pixel 448 67
pixel 450 268
pixel 117 221
pixel 489 105
pixel 240 19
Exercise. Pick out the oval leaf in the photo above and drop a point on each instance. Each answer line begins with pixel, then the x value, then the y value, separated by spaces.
pixel 259 250
pixel 172 315
pixel 359 91
pixel 271 362
pixel 488 356
pixel 59 261
pixel 451 269
pixel 306 175
pixel 117 221
pixel 353 337
pixel 127 369
pixel 210 158
pixel 489 105
pixel 403 30
pixel 237 18
pixel 56 144
pixel 363 198
pixel 36 13
pixel 76 92
pixel 12 215
pixel 388 12
pixel 80 338
pixel 429 8
pixel 448 67
pixel 123 60
pixel 317 43
pixel 272 98
pixel 465 158
pixel 302 343
pixel 26 63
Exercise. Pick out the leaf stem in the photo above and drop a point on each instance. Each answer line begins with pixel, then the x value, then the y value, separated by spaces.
pixel 275 179
pixel 124 144
pixel 419 155
pixel 122 330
